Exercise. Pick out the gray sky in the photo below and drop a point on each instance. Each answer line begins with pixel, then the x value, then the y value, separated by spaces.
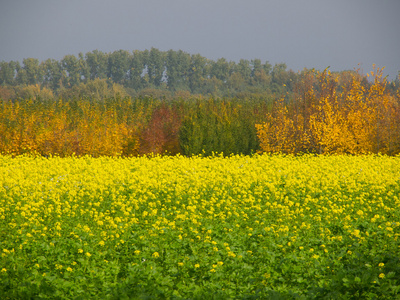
pixel 301 33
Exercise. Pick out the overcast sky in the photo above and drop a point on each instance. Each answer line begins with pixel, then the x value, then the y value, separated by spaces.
pixel 301 33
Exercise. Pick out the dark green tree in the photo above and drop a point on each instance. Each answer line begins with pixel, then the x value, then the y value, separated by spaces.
pixel 279 78
pixel 177 70
pixel 72 68
pixel 155 66
pixel 198 71
pixel 7 72
pixel 221 69
pixel 119 66
pixel 84 68
pixel 244 69
pixel 21 77
pixel 53 73
pixel 34 74
pixel 97 63
pixel 137 67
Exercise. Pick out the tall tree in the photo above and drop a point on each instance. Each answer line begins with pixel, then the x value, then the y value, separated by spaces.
pixel 260 74
pixel 71 65
pixel 244 69
pixel 83 67
pixel 155 66
pixel 137 67
pixel 198 70
pixel 221 69
pixel 279 78
pixel 33 72
pixel 119 66
pixel 21 77
pixel 177 70
pixel 7 72
pixel 53 73
pixel 97 62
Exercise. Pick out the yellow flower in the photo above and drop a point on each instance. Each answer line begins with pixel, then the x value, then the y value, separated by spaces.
pixel 381 275
pixel 212 270
pixel 3 270
pixel 155 255
pixel 88 254
pixel 69 269
pixel 101 243
pixel 80 250
pixel 180 264
pixel 381 265
pixel 197 266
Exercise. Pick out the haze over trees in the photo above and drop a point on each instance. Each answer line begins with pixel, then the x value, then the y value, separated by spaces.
pixel 152 71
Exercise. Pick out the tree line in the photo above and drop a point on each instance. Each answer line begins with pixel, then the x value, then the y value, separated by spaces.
pixel 151 71
pixel 327 113
pixel 129 127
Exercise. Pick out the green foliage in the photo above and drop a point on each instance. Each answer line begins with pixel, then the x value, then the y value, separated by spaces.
pixel 149 69
pixel 219 126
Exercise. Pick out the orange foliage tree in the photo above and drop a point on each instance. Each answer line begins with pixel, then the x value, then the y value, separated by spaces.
pixel 162 132
pixel 80 127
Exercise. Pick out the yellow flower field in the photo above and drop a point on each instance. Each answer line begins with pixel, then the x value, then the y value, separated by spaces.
pixel 215 227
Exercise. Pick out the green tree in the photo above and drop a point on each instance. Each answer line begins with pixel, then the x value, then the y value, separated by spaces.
pixel 198 71
pixel 53 73
pixel 221 69
pixel 83 67
pixel 244 69
pixel 137 67
pixel 279 78
pixel 71 65
pixel 34 74
pixel 7 72
pixel 177 70
pixel 97 62
pixel 21 77
pixel 155 66
pixel 119 66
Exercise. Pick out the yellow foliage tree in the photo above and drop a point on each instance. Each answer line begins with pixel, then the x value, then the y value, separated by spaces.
pixel 353 117
pixel 277 134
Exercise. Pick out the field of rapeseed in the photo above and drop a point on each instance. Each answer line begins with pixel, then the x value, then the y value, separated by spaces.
pixel 217 227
